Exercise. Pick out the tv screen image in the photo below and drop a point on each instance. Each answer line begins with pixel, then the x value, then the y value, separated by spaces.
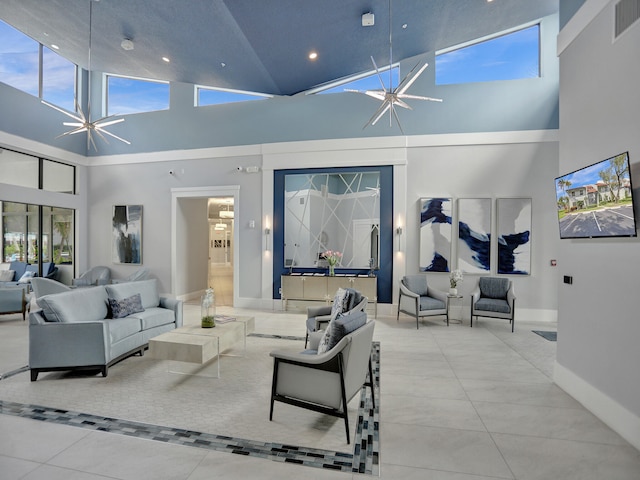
pixel 597 201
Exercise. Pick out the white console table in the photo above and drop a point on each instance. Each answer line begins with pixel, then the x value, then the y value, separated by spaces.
pixel 322 288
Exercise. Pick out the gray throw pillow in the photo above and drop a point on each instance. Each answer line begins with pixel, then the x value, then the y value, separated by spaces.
pixel 124 308
pixel 342 326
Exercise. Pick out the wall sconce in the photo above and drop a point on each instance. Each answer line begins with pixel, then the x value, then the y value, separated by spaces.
pixel 399 236
pixel 267 232
pixel 399 231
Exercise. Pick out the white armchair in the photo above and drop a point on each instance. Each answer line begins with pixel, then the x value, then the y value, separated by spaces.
pixel 94 276
pixel 326 382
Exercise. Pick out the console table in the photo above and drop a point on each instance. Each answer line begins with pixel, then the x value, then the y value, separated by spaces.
pixel 322 288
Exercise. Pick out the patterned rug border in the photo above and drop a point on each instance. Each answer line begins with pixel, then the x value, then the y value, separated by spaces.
pixel 364 459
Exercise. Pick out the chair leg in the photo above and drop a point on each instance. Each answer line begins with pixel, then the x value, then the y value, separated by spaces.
pixel 306 339
pixel 372 383
pixel 273 386
pixel 344 395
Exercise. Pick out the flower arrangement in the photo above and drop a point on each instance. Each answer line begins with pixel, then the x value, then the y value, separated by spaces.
pixel 332 257
pixel 455 277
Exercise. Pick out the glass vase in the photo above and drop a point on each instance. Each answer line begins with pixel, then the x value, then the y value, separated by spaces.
pixel 332 272
pixel 208 310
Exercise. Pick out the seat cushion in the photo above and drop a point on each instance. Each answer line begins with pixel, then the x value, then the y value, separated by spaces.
pixel 492 305
pixel 155 317
pixel 120 328
pixel 430 303
pixel 493 287
pixel 417 284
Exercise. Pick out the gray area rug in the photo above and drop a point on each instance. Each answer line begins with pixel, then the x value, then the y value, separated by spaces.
pixel 551 336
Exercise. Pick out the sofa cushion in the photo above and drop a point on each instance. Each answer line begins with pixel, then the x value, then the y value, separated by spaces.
pixel 19 268
pixel 80 305
pixel 120 328
pixel 342 326
pixel 492 287
pixel 155 317
pixel 417 284
pixel 147 289
pixel 126 306
pixel 6 275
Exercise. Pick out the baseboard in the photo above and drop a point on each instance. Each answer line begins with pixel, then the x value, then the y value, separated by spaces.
pixel 617 417
pixel 536 315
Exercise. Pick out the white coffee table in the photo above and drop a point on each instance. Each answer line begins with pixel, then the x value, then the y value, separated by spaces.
pixel 193 344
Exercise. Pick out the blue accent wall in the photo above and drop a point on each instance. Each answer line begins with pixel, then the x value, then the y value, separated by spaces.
pixel 385 271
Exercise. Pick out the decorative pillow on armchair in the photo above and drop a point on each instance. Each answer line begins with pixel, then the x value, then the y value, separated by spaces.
pixel 26 277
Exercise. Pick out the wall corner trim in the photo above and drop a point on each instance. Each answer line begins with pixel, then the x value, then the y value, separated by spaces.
pixel 583 17
pixel 616 416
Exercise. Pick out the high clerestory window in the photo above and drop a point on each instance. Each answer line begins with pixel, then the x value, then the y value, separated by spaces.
pixel 22 59
pixel 363 82
pixel 126 95
pixel 218 96
pixel 510 56
pixel 32 172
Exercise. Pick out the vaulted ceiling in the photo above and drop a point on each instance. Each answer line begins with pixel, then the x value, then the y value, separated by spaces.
pixel 259 45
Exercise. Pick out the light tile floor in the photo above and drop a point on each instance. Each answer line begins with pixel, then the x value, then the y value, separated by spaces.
pixel 456 404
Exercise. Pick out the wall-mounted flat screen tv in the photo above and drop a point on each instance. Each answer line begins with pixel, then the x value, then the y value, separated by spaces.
pixel 597 201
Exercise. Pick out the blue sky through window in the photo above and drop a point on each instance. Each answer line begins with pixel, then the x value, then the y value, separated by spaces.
pixel 132 95
pixel 212 96
pixel 371 82
pixel 508 57
pixel 18 60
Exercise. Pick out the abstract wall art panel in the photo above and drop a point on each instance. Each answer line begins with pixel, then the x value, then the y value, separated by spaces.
pixel 127 234
pixel 514 235
pixel 435 234
pixel 474 235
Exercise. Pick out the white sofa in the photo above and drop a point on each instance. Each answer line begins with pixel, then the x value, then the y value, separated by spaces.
pixel 75 329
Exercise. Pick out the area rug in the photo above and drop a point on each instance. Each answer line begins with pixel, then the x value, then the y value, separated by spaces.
pixel 141 398
pixel 551 336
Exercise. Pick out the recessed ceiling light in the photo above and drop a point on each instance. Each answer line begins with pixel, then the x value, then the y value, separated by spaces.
pixel 55 47
pixel 313 56
pixel 166 59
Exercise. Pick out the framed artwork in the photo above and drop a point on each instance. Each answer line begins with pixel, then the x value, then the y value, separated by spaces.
pixel 474 235
pixel 435 234
pixel 127 234
pixel 514 235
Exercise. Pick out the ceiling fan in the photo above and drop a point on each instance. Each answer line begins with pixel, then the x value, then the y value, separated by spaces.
pixel 394 97
pixel 83 122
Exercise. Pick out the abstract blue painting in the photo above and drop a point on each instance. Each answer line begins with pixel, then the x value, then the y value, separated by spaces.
pixel 435 234
pixel 127 234
pixel 514 235
pixel 474 235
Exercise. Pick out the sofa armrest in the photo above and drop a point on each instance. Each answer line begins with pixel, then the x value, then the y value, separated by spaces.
pixel 56 344
pixel 175 305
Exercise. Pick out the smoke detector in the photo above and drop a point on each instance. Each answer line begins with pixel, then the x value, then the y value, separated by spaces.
pixel 368 19
pixel 126 44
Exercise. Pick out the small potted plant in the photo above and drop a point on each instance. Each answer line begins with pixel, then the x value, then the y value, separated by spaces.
pixel 455 277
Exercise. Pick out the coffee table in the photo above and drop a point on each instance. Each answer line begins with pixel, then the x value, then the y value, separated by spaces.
pixel 193 344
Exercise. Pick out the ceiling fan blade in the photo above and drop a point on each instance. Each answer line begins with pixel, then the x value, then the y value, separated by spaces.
pixel 377 94
pixel 101 123
pixel 378 114
pixel 402 104
pixel 410 78
pixel 395 114
pixel 73 124
pixel 75 117
pixel 378 73
pixel 100 131
pixel 419 97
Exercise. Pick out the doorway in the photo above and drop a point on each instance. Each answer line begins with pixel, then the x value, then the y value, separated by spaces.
pixel 220 212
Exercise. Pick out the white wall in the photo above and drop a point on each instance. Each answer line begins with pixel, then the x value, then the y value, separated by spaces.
pixel 598 355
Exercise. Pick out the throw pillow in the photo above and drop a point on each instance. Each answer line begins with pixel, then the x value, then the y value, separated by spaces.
pixel 336 309
pixel 26 277
pixel 124 308
pixel 6 275
pixel 344 325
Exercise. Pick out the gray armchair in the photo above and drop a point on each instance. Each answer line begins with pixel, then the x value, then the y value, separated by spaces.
pixel 419 300
pixel 326 382
pixel 318 317
pixel 136 276
pixel 494 297
pixel 93 276
pixel 46 286
pixel 14 300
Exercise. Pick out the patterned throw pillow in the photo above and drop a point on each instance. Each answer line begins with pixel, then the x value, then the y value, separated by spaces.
pixel 26 277
pixel 124 308
pixel 336 309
